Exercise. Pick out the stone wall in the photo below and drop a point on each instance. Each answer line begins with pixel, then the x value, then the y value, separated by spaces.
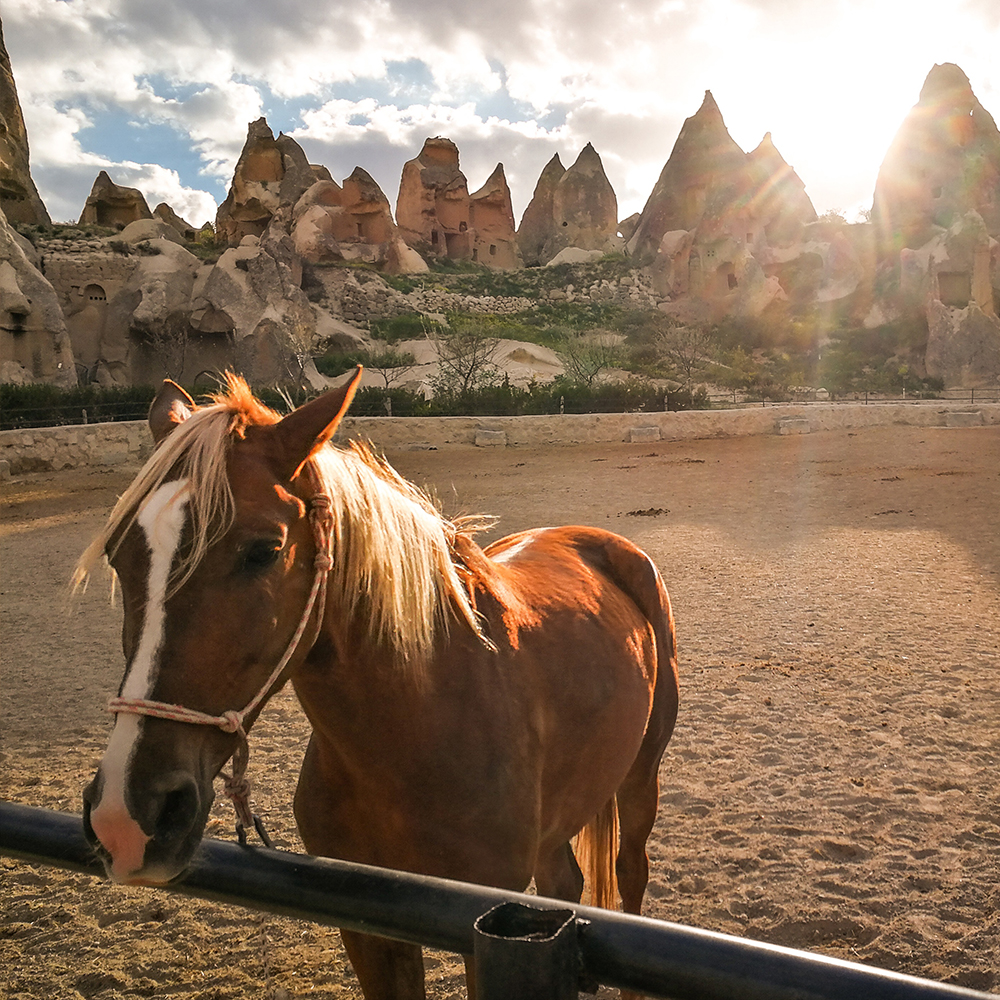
pixel 52 448
pixel 44 449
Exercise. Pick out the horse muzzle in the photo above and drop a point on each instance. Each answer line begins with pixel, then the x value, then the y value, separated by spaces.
pixel 148 836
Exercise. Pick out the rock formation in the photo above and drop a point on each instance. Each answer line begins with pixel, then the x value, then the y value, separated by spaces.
pixel 943 162
pixel 166 214
pixel 432 208
pixel 570 208
pixel 705 175
pixel 111 205
pixel 353 222
pixel 778 204
pixel 34 343
pixel 19 199
pixel 491 218
pixel 538 221
pixel 950 279
pixel 270 177
pixel 725 232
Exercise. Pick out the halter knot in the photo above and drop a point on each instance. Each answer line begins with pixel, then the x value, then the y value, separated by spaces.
pixel 231 721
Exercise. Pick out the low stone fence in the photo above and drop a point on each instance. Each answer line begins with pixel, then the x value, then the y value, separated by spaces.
pixel 50 448
pixel 43 449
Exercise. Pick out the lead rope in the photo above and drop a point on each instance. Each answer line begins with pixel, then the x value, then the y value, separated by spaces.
pixel 236 784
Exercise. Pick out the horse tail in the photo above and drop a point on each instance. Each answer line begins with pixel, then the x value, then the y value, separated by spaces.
pixel 637 575
pixel 596 850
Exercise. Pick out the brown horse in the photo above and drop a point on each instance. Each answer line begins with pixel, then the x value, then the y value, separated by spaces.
pixel 472 710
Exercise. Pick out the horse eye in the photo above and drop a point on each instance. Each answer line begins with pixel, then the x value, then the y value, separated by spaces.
pixel 260 555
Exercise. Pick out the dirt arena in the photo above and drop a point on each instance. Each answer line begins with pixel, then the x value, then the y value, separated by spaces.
pixel 831 784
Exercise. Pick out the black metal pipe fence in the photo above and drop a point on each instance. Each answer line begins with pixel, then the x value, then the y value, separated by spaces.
pixel 637 953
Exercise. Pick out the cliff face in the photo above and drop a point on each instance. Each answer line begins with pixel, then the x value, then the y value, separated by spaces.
pixel 19 198
pixel 705 174
pixel 943 162
pixel 432 209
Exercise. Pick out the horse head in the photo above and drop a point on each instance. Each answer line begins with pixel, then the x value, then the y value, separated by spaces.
pixel 216 558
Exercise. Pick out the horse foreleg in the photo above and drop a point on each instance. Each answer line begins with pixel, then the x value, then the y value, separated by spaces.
pixel 558 875
pixel 387 970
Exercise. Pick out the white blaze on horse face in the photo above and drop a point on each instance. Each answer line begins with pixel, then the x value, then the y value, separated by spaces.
pixel 162 520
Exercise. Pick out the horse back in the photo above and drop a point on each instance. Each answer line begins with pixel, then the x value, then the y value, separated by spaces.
pixel 516 569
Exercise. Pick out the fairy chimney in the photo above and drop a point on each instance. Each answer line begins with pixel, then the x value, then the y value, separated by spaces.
pixel 584 207
pixel 704 175
pixel 432 209
pixel 110 204
pixel 19 199
pixel 778 202
pixel 491 219
pixel 538 222
pixel 271 175
pixel 943 163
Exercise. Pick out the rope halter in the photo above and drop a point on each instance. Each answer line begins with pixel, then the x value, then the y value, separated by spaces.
pixel 237 786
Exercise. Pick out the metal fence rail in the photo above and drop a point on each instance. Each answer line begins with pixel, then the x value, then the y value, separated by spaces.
pixel 652 956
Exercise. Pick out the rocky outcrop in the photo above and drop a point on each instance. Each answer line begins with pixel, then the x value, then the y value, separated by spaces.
pixel 491 218
pixel 778 205
pixel 952 277
pixel 432 208
pixel 252 301
pixel 34 342
pixel 725 232
pixel 704 176
pixel 114 206
pixel 538 222
pixel 943 163
pixel 570 208
pixel 184 229
pixel 19 199
pixel 270 177
pixel 354 223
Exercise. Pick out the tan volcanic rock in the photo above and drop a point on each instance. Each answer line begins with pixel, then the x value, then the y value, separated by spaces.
pixel 353 222
pixel 943 162
pixel 778 201
pixel 704 176
pixel 270 177
pixel 166 214
pixel 110 204
pixel 34 342
pixel 19 199
pixel 538 221
pixel 584 208
pixel 432 208
pixel 491 218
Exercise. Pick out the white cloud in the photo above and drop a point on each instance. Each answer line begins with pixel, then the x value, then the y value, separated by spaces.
pixel 830 82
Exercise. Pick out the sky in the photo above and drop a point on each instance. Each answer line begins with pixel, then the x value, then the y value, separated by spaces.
pixel 159 93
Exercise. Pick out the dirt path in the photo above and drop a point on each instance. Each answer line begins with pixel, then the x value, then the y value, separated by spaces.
pixel 831 783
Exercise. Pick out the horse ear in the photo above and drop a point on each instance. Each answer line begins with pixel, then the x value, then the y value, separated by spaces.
pixel 171 407
pixel 305 430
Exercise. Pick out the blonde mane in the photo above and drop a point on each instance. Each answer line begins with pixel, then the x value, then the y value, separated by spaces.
pixel 392 548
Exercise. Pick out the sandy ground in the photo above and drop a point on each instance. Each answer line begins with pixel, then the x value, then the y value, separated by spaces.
pixel 831 782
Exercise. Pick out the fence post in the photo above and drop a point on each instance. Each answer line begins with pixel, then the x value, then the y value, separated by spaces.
pixel 525 953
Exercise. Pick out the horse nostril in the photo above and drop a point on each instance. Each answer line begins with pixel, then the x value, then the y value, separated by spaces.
pixel 177 814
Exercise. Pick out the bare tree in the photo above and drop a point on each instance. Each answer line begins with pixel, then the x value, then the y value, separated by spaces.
pixel 586 359
pixel 167 342
pixel 391 365
pixel 467 360
pixel 687 349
